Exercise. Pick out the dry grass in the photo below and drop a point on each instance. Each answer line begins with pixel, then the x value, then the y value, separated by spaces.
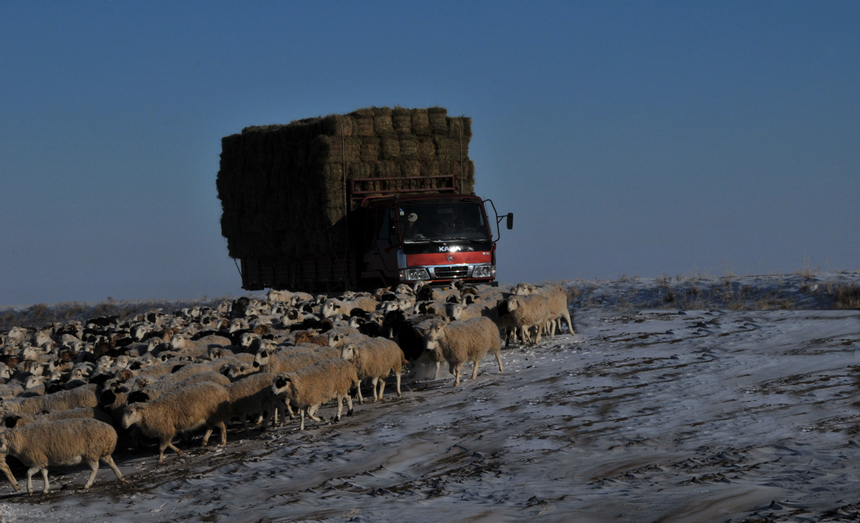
pixel 845 296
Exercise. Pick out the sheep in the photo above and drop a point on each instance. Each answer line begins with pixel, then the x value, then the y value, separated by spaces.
pixel 10 390
pixel 8 472
pixel 528 311
pixel 409 331
pixel 557 297
pixel 308 388
pixel 143 391
pixel 339 337
pixel 293 359
pixel 333 306
pixel 311 337
pixel 375 359
pixel 463 312
pixel 464 341
pixel 61 442
pixel 13 420
pixel 84 396
pixel 252 394
pixel 181 410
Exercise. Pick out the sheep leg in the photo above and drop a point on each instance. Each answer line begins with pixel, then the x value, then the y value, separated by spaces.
pixel 94 466
pixel 537 334
pixel 33 470
pixel 455 369
pixel 8 472
pixel 521 335
pixel 475 370
pixel 166 445
pixel 360 398
pixel 30 472
pixel 110 463
pixel 312 410
pixel 223 427
pixel 566 315
pixel 339 408
pixel 377 384
pixel 268 416
pixel 47 488
pixel 302 426
pixel 349 404
pixel 398 385
pixel 436 376
pixel 498 356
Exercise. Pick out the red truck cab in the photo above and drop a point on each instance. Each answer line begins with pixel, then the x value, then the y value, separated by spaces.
pixel 430 238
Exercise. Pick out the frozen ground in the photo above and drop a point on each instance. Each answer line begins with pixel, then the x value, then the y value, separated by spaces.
pixel 647 413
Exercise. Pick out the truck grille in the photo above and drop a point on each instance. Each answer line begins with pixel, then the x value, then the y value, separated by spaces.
pixel 456 271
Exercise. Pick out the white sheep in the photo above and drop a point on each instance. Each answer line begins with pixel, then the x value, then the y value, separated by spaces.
pixel 557 297
pixel 375 359
pixel 61 442
pixel 293 358
pixel 527 312
pixel 181 410
pixel 460 342
pixel 15 419
pixel 84 396
pixel 172 382
pixel 308 388
pixel 333 306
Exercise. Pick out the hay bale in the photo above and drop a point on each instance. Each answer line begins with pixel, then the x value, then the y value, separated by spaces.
pixel 420 122
pixel 282 187
pixel 401 121
pixel 438 120
pixel 390 148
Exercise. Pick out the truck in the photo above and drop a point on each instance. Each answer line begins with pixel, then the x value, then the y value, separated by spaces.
pixel 370 199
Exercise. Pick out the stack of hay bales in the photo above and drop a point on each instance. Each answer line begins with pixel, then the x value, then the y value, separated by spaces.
pixel 282 187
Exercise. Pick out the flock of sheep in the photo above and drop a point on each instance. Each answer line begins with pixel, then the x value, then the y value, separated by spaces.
pixel 69 393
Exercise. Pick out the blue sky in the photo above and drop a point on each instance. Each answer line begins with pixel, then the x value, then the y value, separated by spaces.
pixel 628 138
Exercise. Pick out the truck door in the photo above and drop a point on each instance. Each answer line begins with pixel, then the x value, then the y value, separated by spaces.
pixel 381 261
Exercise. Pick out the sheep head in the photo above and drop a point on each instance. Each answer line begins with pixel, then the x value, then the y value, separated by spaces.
pixel 348 351
pixel 133 414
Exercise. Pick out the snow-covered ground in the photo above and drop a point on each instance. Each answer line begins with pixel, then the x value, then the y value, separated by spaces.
pixel 648 413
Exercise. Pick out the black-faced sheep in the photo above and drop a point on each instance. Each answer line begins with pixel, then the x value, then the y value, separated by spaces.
pixel 375 359
pixel 461 342
pixel 308 388
pixel 181 410
pixel 62 442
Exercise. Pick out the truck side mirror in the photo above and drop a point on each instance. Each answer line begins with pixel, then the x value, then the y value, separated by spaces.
pixel 510 222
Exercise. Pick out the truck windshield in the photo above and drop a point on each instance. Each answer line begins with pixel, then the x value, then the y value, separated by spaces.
pixel 443 221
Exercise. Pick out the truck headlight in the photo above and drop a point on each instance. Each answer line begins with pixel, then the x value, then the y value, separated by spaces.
pixel 484 271
pixel 414 275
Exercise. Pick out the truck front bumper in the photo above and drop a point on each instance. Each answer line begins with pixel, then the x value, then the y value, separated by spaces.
pixel 441 273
